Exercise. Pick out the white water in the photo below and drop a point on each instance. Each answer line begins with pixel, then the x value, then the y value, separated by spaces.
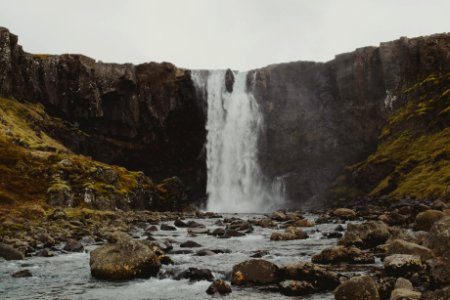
pixel 234 180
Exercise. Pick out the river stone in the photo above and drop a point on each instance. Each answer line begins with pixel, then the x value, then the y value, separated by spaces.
pixel 402 264
pixel 219 286
pixel 344 213
pixel 9 253
pixel 194 274
pixel 399 246
pixel 439 237
pixel 404 291
pixel 290 233
pixel 254 271
pixel 73 246
pixel 426 219
pixel 190 244
pixel 180 224
pixel 22 273
pixel 357 288
pixel 124 260
pixel 296 288
pixel 167 227
pixel 339 254
pixel 303 271
pixel 439 269
pixel 366 235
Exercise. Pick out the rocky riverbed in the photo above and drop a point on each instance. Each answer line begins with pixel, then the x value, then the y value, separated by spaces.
pixel 360 253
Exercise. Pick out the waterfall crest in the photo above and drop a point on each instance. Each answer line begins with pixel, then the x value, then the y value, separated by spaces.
pixel 234 121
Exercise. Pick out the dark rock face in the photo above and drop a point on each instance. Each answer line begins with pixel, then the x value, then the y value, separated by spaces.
pixel 9 253
pixel 357 288
pixel 320 117
pixel 143 117
pixel 255 271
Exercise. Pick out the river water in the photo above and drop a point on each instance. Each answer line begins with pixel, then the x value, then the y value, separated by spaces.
pixel 67 276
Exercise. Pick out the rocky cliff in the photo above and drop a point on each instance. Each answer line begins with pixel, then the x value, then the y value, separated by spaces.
pixel 143 117
pixel 322 117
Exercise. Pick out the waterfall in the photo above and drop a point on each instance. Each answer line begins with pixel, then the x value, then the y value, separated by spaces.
pixel 234 121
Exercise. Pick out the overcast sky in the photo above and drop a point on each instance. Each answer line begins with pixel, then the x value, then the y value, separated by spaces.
pixel 240 34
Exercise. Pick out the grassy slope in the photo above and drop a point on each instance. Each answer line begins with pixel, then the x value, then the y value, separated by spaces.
pixel 413 155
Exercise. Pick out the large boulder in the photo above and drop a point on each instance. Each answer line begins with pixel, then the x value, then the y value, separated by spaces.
pixel 426 219
pixel 357 288
pixel 366 235
pixel 290 233
pixel 255 271
pixel 339 254
pixel 398 246
pixel 344 213
pixel 402 264
pixel 439 237
pixel 126 259
pixel 404 291
pixel 9 253
pixel 321 278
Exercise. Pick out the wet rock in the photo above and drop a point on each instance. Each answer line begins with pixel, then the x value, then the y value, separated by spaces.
pixel 332 235
pixel 279 216
pixel 151 228
pixel 439 237
pixel 180 224
pixel 195 231
pixel 57 214
pixel 205 252
pixel 402 264
pixel 404 291
pixel 165 260
pixel 194 274
pixel 117 236
pixel 231 233
pixel 386 286
pixel 318 276
pixel 366 235
pixel 190 244
pixel 339 254
pixel 193 224
pixel 219 287
pixel 9 253
pixel 22 273
pixel 339 228
pixel 240 226
pixel 357 288
pixel 218 232
pixel 73 246
pixel 344 213
pixel 439 270
pixel 182 251
pixel 219 223
pixel 255 271
pixel 45 253
pixel 166 227
pixel 441 294
pixel 296 288
pixel 398 246
pixel 290 233
pixel 124 260
pixel 426 219
pixel 167 245
pixel 259 254
pixel 229 80
pixel 304 223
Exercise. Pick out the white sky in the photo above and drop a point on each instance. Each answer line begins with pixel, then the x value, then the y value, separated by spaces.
pixel 240 34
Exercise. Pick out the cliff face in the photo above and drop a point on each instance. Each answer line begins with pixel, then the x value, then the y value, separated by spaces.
pixel 321 117
pixel 143 117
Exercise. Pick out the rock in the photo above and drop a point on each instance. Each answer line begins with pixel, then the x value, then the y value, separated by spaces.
pixel 166 227
pixel 165 260
pixel 205 252
pixel 426 219
pixel 279 216
pixel 318 276
pixel 259 254
pixel 339 254
pixel 386 286
pixel 339 228
pixel 151 228
pixel 45 253
pixel 332 235
pixel 190 244
pixel 229 80
pixel 73 246
pixel 296 288
pixel 194 274
pixel 255 271
pixel 344 213
pixel 304 223
pixel 219 286
pixel 124 260
pixel 439 237
pixel 195 231
pixel 439 269
pixel 240 226
pixel 180 224
pixel 357 288
pixel 218 232
pixel 117 236
pixel 402 264
pixel 404 291
pixel 22 273
pixel 398 246
pixel 57 214
pixel 229 233
pixel 9 253
pixel 441 294
pixel 290 233
pixel 366 235
pixel 193 224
